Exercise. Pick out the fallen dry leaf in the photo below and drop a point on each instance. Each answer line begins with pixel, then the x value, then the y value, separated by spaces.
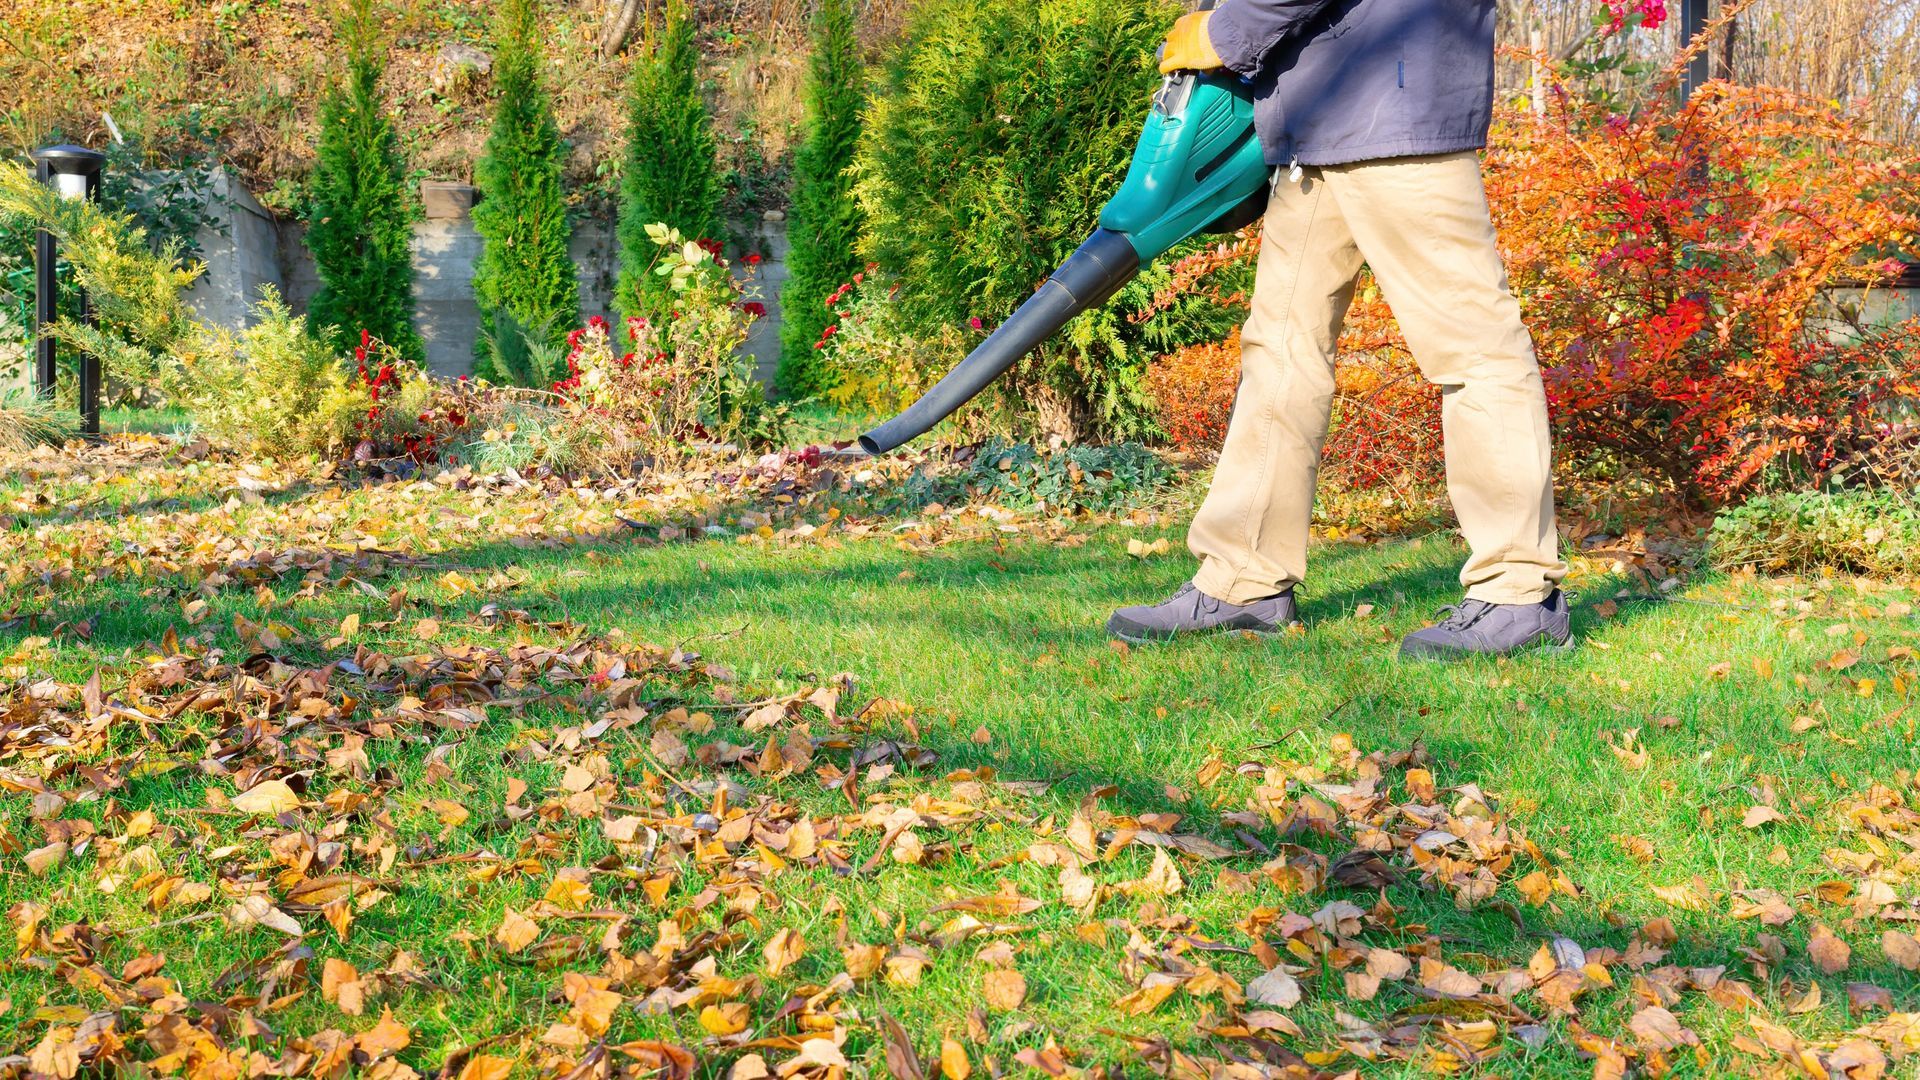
pixel 1827 951
pixel 268 797
pixel 1004 989
pixel 516 931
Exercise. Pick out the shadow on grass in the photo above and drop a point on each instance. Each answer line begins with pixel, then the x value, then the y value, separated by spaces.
pixel 853 603
pixel 103 510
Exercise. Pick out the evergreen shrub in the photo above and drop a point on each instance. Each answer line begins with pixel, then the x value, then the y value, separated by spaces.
pixel 360 215
pixel 1000 129
pixel 824 222
pixel 669 175
pixel 525 282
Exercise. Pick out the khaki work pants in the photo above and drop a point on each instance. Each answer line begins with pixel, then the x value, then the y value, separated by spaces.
pixel 1423 226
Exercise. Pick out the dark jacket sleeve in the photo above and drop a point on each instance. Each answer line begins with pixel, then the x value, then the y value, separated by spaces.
pixel 1243 32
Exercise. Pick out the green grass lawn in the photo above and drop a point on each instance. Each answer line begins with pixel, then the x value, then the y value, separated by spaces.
pixel 1633 766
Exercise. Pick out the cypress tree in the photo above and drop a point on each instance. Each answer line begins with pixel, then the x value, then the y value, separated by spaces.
pixel 525 269
pixel 670 175
pixel 825 220
pixel 360 221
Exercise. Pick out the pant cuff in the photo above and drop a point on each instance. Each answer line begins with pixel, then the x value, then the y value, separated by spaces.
pixel 1509 594
pixel 1218 580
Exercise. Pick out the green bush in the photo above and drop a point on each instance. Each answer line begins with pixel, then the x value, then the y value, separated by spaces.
pixel 510 354
pixel 274 388
pixel 824 222
pixel 1868 532
pixel 669 174
pixel 1002 128
pixel 146 334
pixel 360 216
pixel 525 271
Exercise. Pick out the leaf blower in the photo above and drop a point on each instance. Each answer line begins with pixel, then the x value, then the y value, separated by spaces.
pixel 1198 169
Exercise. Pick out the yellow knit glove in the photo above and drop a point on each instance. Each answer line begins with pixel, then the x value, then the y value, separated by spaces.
pixel 1188 47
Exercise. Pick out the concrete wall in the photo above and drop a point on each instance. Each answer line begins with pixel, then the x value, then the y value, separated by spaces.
pixel 254 249
pixel 764 285
pixel 242 255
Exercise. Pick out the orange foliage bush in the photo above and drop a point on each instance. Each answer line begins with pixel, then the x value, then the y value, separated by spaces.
pixel 1193 389
pixel 1675 267
pixel 1386 418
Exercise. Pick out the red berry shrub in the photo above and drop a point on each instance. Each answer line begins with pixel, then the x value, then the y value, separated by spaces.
pixel 1676 267
pixel 1194 389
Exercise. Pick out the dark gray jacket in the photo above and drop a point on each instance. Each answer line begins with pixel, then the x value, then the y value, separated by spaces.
pixel 1338 81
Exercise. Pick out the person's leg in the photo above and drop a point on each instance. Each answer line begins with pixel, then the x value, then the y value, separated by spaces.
pixel 1251 532
pixel 1424 227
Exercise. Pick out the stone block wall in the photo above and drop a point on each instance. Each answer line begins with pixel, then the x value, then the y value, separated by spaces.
pixel 242 255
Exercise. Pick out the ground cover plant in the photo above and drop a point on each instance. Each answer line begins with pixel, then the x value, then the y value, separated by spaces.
pixel 764 768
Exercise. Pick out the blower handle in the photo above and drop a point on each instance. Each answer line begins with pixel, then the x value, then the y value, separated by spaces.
pixel 1161 50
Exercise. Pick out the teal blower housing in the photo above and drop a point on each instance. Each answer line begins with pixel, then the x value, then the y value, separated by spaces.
pixel 1198 169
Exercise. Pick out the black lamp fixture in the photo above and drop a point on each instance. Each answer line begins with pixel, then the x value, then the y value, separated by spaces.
pixel 74 172
pixel 1693 23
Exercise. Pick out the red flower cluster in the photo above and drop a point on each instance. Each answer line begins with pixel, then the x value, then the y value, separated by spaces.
pixel 1652 13
pixel 839 294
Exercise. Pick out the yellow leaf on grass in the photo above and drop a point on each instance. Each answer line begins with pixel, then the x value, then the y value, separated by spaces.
pixel 1147 998
pixel 729 1018
pixel 904 970
pixel 516 931
pixel 1684 896
pixel 569 892
pixel 953 1060
pixel 1536 888
pixel 487 1067
pixel 267 797
pixel 389 1036
pixel 783 950
pixel 1004 989
pixel 340 984
pixel 863 961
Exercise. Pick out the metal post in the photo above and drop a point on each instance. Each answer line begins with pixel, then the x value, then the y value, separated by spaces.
pixel 74 172
pixel 88 367
pixel 1693 23
pixel 45 298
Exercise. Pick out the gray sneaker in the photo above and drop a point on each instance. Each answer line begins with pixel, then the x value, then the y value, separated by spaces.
pixel 1477 628
pixel 1191 611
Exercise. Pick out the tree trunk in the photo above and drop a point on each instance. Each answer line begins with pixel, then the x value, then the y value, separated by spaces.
pixel 619 25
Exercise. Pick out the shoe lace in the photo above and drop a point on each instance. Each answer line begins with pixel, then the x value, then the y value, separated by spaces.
pixel 1462 615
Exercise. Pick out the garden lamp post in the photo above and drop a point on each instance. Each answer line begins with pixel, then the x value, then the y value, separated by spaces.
pixel 74 172
pixel 1693 23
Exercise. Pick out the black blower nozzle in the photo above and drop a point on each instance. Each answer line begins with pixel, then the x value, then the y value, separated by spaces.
pixel 1089 278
